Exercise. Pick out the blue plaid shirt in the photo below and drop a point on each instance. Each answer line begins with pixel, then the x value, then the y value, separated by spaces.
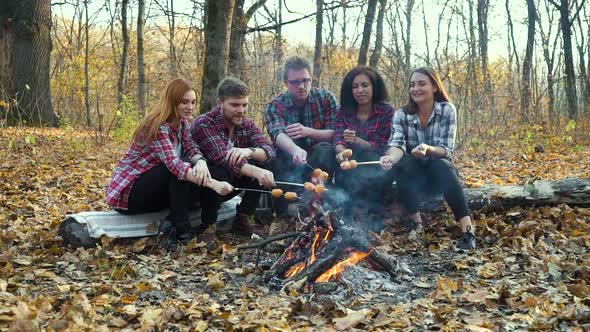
pixel 407 133
pixel 318 112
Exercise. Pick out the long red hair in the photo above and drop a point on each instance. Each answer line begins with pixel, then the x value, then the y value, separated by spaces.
pixel 164 112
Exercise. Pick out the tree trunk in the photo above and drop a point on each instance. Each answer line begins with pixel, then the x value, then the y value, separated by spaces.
pixel 217 35
pixel 25 31
pixel 369 18
pixel 570 74
pixel 121 83
pixel 172 40
pixel 141 85
pixel 571 191
pixel 527 63
pixel 239 27
pixel 374 60
pixel 407 41
pixel 86 66
pixel 317 54
pixel 482 28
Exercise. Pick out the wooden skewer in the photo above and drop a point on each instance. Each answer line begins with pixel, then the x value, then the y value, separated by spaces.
pixel 290 183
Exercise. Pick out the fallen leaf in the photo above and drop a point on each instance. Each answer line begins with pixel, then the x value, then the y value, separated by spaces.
pixel 351 319
pixel 215 281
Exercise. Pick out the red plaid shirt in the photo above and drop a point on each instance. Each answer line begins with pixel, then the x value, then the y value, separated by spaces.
pixel 317 112
pixel 209 130
pixel 376 130
pixel 140 158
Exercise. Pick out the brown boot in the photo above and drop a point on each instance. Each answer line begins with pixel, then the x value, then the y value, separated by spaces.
pixel 246 225
pixel 208 236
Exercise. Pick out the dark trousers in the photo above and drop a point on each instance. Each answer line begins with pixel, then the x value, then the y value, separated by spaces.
pixel 417 177
pixel 321 155
pixel 211 201
pixel 158 189
pixel 365 184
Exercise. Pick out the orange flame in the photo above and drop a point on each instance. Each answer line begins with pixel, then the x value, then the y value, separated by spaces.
pixel 333 272
pixel 328 233
pixel 295 269
pixel 314 246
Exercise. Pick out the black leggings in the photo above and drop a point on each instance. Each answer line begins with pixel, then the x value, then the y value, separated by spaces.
pixel 429 176
pixel 158 189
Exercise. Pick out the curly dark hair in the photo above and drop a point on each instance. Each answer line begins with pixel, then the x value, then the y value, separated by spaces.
pixel 380 93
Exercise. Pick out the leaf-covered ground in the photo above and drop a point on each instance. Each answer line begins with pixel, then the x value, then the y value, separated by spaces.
pixel 531 272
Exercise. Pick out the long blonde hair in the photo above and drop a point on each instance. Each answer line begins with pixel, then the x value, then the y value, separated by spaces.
pixel 164 112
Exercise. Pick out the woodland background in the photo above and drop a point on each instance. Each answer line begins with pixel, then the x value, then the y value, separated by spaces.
pixel 77 75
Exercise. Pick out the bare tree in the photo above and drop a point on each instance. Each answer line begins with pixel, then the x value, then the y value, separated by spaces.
pixel 25 31
pixel 317 54
pixel 86 65
pixel 407 43
pixel 239 28
pixel 217 35
pixel 482 28
pixel 549 53
pixel 374 60
pixel 141 81
pixel 565 24
pixel 528 58
pixel 581 47
pixel 369 18
pixel 121 83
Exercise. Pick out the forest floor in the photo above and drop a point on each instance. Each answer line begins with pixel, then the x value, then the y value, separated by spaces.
pixel 530 272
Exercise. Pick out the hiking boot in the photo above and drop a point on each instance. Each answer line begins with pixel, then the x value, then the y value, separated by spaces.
pixel 416 232
pixel 183 233
pixel 246 225
pixel 167 233
pixel 207 235
pixel 467 242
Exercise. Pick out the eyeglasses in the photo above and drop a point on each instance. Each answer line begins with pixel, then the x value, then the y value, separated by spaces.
pixel 305 81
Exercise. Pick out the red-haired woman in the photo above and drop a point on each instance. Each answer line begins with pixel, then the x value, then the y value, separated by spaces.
pixel 420 148
pixel 152 175
pixel 363 125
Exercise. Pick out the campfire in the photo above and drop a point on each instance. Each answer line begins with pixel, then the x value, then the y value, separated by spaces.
pixel 327 243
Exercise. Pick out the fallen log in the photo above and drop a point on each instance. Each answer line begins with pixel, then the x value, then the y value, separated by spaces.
pixel 571 191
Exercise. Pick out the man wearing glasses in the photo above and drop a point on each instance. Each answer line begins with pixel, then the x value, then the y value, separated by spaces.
pixel 300 123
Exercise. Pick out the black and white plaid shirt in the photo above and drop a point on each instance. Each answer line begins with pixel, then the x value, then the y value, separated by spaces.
pixel 407 133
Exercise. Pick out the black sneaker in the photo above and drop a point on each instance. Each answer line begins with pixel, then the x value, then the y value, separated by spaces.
pixel 167 233
pixel 467 242
pixel 183 233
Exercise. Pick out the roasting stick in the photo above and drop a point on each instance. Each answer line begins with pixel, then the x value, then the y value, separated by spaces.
pixel 290 183
pixel 287 194
pixel 368 162
pixel 257 190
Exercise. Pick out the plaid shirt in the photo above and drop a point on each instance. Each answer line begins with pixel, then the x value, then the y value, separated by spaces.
pixel 440 129
pixel 209 130
pixel 318 113
pixel 376 130
pixel 140 158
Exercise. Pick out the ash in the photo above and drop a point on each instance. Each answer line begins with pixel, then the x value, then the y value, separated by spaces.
pixel 361 280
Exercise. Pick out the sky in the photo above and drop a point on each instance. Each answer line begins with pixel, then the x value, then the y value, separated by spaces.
pixel 304 31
